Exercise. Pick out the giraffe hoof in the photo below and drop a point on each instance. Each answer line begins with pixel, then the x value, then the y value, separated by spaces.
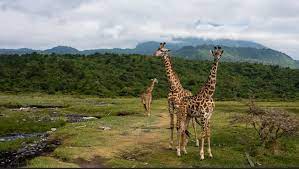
pixel 202 157
pixel 184 150
pixel 197 143
pixel 170 147
pixel 211 156
pixel 178 152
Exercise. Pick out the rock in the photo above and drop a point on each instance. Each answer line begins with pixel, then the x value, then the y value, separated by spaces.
pixel 88 118
pixel 105 128
pixel 53 129
pixel 24 108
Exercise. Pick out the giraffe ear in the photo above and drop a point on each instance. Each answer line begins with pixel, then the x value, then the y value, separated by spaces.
pixel 211 52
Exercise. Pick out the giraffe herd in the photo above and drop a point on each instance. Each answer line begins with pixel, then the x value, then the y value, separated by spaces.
pixel 187 107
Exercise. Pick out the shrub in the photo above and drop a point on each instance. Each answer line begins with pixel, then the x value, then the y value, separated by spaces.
pixel 270 124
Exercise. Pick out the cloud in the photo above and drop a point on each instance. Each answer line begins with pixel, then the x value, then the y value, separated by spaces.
pixel 86 24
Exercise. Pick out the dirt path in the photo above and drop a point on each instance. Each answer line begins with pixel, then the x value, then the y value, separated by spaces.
pixel 141 134
pixel 96 162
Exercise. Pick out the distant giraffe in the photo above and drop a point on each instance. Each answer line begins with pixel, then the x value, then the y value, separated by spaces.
pixel 200 106
pixel 146 97
pixel 176 90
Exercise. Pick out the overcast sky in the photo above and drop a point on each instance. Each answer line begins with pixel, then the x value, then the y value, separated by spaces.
pixel 88 24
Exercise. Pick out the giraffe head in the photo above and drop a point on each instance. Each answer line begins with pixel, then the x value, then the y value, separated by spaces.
pixel 161 51
pixel 217 52
pixel 154 80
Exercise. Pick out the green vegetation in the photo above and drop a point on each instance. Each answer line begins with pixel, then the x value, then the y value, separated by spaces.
pixel 112 75
pixel 138 141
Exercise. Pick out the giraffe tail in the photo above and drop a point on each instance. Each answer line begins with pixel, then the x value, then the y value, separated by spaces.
pixel 187 133
pixel 197 121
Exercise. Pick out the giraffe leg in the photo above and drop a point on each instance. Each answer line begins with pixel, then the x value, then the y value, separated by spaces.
pixel 202 135
pixel 184 136
pixel 209 142
pixel 149 106
pixel 179 134
pixel 182 117
pixel 171 114
pixel 195 132
pixel 148 109
pixel 144 105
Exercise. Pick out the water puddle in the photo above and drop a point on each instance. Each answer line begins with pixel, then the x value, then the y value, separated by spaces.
pixel 14 136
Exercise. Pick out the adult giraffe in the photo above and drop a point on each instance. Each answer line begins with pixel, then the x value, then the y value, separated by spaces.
pixel 199 106
pixel 176 90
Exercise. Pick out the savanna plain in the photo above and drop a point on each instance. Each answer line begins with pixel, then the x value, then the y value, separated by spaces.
pixel 116 133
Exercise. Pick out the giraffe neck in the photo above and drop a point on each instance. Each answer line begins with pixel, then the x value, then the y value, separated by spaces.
pixel 209 88
pixel 173 80
pixel 151 87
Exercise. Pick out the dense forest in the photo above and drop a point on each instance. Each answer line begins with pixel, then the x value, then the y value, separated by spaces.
pixel 112 75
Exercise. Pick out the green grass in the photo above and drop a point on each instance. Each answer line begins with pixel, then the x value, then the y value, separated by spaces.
pixel 48 162
pixel 139 141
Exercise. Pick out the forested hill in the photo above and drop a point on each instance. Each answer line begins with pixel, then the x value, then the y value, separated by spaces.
pixel 239 54
pixel 109 75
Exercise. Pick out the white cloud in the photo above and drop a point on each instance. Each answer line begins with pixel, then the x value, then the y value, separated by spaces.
pixel 86 24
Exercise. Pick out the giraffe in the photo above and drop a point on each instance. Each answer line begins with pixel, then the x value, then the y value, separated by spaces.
pixel 200 106
pixel 176 90
pixel 146 97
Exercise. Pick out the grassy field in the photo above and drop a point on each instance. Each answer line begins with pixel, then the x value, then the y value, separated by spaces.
pixel 134 139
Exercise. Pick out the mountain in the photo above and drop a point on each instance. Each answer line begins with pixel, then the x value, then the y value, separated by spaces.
pixel 62 50
pixel 17 51
pixel 239 54
pixel 223 42
pixel 190 48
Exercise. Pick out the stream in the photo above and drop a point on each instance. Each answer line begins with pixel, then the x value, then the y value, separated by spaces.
pixel 17 158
